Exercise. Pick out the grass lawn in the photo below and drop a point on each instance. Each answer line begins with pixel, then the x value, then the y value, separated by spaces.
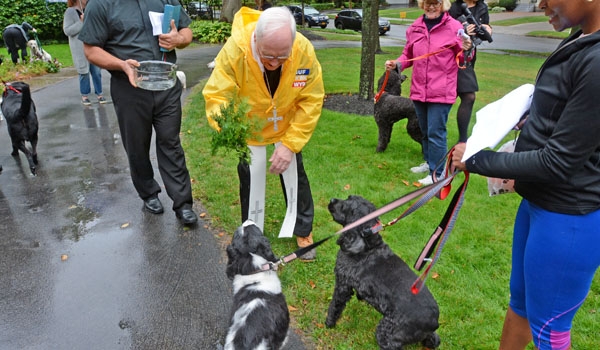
pixel 470 281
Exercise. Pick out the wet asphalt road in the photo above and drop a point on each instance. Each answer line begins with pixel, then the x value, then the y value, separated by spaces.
pixel 82 266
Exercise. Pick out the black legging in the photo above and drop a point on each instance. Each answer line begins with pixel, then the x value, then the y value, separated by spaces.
pixel 463 115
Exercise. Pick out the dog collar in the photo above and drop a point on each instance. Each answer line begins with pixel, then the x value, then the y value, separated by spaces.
pixel 377 227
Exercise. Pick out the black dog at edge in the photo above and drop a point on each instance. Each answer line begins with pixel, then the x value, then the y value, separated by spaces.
pixel 21 119
pixel 392 108
pixel 367 266
pixel 259 317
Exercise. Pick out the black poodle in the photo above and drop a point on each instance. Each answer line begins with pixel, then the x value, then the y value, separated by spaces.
pixel 367 266
pixel 391 108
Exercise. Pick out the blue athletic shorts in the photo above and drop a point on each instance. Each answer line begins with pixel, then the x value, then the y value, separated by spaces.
pixel 555 257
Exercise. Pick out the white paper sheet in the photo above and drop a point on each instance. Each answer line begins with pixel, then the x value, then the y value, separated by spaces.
pixel 156 19
pixel 497 119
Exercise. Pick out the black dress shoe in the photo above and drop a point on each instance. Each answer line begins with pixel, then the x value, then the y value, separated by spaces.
pixel 186 216
pixel 153 205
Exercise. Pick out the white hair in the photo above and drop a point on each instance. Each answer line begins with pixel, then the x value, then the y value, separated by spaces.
pixel 273 20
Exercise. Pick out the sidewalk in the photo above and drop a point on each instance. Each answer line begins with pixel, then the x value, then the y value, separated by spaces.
pixel 519 29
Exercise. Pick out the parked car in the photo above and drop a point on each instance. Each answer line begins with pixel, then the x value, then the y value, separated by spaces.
pixel 196 9
pixel 312 17
pixel 352 19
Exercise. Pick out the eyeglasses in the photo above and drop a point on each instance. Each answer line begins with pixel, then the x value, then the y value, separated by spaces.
pixel 271 58
pixel 432 4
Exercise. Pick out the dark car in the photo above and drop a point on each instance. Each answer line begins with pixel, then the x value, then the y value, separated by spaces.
pixel 312 17
pixel 200 10
pixel 352 19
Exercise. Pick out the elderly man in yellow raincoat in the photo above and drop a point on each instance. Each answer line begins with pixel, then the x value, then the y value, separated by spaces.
pixel 266 62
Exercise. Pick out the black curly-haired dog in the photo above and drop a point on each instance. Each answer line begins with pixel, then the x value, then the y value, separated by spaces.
pixel 367 266
pixel 392 108
pixel 259 316
pixel 21 119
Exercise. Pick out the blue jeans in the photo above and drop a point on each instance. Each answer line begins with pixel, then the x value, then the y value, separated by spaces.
pixel 84 81
pixel 432 121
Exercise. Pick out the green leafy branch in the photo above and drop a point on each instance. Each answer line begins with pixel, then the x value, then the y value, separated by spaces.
pixel 236 128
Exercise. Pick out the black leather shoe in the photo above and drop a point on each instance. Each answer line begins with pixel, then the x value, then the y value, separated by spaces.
pixel 153 205
pixel 186 216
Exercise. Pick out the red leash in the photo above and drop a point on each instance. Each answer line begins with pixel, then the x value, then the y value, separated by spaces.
pixel 382 90
pixel 387 72
pixel 10 87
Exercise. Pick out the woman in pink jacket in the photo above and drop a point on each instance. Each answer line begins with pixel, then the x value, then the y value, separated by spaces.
pixel 433 46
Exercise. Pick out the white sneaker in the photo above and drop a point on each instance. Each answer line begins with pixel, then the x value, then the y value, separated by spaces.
pixel 422 168
pixel 427 180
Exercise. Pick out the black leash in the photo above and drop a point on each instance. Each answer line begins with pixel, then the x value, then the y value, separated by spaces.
pixel 439 236
pixel 426 193
pixel 272 266
pixel 440 189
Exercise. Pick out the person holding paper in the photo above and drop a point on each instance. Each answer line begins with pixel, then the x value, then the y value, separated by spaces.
pixel 117 35
pixel 277 71
pixel 556 168
pixel 432 43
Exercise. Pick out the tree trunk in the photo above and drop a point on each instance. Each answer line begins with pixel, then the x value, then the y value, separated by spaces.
pixel 230 7
pixel 370 45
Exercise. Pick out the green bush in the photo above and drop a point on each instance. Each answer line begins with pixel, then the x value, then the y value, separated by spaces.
pixel 46 18
pixel 211 32
pixel 510 5
pixel 352 4
pixel 323 6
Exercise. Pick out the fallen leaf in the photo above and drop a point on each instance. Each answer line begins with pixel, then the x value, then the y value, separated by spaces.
pixel 125 225
pixel 417 184
pixel 435 275
pixel 292 308
pixel 64 257
pixel 406 182
pixel 347 187
pixel 73 206
pixel 202 215
pixel 312 284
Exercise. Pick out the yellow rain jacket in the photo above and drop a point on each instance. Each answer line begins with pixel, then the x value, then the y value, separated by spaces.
pixel 298 99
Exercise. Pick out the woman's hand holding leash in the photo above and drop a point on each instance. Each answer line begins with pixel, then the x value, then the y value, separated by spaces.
pixel 457 154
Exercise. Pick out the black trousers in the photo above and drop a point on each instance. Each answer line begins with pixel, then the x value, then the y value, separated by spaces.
pixel 139 112
pixel 305 205
pixel 14 40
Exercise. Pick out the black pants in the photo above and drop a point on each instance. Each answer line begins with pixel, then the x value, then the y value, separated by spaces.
pixel 140 111
pixel 305 205
pixel 14 40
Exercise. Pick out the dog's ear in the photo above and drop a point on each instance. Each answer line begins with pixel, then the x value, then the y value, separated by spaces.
pixel 257 243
